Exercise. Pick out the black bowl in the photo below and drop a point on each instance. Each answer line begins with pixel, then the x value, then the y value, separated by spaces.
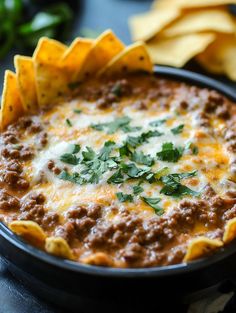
pixel 85 288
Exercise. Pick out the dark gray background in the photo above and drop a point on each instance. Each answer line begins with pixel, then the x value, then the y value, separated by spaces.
pixel 98 15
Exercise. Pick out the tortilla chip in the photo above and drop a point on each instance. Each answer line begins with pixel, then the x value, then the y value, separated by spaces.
pixel 26 82
pixel 178 51
pixel 28 229
pixel 59 247
pixel 51 80
pixel 104 48
pixel 11 105
pixel 230 231
pixel 218 20
pixel 219 57
pixel 75 55
pixel 133 58
pixel 147 25
pixel 190 4
pixel 99 259
pixel 201 246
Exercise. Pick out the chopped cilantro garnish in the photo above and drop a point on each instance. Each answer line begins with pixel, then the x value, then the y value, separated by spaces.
pixel 141 158
pixel 69 158
pixel 68 122
pixel 195 150
pixel 137 189
pixel 112 127
pixel 89 154
pixel 73 178
pixel 124 150
pixel 133 171
pixel 158 122
pixel 75 148
pixel 177 130
pixel 153 202
pixel 116 89
pixel 191 146
pixel 173 187
pixel 170 153
pixel 106 150
pixel 143 138
pixel 77 111
pixel 163 171
pixel 122 197
pixel 116 178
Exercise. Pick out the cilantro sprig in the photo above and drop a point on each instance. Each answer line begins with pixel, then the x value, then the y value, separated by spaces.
pixel 170 153
pixel 121 123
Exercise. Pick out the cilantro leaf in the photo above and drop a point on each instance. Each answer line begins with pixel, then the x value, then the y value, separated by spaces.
pixel 112 127
pixel 77 111
pixel 106 150
pixel 68 122
pixel 116 178
pixel 75 148
pixel 137 189
pixel 191 146
pixel 73 178
pixel 141 158
pixel 177 130
pixel 133 171
pixel 69 158
pixel 170 153
pixel 153 202
pixel 89 154
pixel 157 123
pixel 122 197
pixel 173 187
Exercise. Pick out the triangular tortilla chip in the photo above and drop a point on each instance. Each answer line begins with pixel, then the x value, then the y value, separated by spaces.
pixel 133 58
pixel 230 231
pixel 219 57
pixel 51 80
pixel 190 3
pixel 104 48
pixel 11 105
pixel 26 82
pixel 59 247
pixel 178 51
pixel 147 25
pixel 75 55
pixel 28 229
pixel 200 246
pixel 218 20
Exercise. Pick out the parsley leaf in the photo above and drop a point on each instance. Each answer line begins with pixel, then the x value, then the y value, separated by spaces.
pixel 137 189
pixel 122 197
pixel 141 158
pixel 170 153
pixel 177 130
pixel 153 202
pixel 69 158
pixel 157 123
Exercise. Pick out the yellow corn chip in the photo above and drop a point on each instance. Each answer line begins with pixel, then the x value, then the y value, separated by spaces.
pixel 28 229
pixel 99 259
pixel 190 3
pixel 59 247
pixel 51 80
pixel 133 58
pixel 218 20
pixel 11 105
pixel 74 56
pixel 230 231
pixel 104 48
pixel 26 82
pixel 201 246
pixel 178 51
pixel 219 57
pixel 147 25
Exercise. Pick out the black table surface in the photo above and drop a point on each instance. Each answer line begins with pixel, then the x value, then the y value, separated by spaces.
pixel 98 15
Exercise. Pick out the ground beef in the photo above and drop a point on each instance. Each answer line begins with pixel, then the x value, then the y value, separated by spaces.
pixel 15 180
pixel 52 167
pixel 16 152
pixel 8 202
pixel 32 208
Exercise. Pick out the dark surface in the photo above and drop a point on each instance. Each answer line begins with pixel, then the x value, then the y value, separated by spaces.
pixel 95 14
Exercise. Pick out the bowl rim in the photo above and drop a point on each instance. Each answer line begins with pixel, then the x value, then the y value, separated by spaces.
pixel 163 271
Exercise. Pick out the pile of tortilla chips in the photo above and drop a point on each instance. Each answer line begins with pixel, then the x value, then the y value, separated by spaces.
pixel 49 76
pixel 177 31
